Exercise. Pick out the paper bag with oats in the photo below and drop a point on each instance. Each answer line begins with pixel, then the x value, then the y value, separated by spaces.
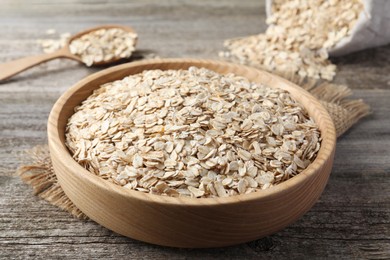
pixel 371 29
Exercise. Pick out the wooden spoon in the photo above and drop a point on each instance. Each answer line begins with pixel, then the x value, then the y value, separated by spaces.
pixel 9 69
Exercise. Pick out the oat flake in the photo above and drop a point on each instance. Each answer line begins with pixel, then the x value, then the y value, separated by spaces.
pixel 192 133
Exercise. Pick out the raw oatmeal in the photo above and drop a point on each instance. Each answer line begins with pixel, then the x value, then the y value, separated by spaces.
pixel 104 45
pixel 193 133
pixel 298 38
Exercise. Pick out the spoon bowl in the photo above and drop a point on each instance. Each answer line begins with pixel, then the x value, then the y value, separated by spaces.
pixel 80 34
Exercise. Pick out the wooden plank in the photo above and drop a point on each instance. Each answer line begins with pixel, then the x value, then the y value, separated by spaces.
pixel 352 218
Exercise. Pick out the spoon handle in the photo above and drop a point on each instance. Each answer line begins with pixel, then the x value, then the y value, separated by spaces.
pixel 11 68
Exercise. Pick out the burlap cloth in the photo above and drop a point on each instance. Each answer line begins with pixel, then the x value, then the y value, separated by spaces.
pixel 37 171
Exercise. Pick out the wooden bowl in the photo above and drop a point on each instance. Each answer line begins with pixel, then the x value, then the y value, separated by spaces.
pixel 189 222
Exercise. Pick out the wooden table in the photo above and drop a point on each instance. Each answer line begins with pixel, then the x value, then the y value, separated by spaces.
pixel 352 218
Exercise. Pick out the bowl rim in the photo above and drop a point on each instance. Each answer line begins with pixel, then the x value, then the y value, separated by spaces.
pixel 58 148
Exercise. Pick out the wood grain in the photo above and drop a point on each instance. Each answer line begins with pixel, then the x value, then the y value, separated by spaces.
pixel 12 68
pixel 352 218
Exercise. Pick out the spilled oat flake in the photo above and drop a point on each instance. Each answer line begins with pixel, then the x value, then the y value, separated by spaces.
pixel 298 37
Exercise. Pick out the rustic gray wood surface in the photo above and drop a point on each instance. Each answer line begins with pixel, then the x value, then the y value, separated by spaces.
pixel 351 219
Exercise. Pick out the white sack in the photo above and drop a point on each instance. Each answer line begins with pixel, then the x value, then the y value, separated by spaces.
pixel 371 29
